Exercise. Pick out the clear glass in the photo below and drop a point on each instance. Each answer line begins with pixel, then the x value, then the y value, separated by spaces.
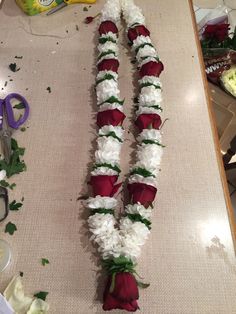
pixel 5 255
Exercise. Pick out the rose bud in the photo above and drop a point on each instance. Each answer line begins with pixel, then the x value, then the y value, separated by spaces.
pixel 110 117
pixel 136 31
pixel 124 295
pixel 148 121
pixel 104 185
pixel 107 26
pixel 88 19
pixel 151 68
pixel 109 65
pixel 142 193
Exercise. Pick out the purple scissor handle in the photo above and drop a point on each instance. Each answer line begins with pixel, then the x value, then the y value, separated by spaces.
pixel 6 103
pixel 7 114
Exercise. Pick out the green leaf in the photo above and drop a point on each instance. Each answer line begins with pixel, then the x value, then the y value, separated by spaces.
pixel 115 167
pixel 105 53
pixel 10 228
pixel 106 77
pixel 23 129
pixel 142 46
pixel 152 142
pixel 102 211
pixel 103 40
pixel 14 205
pixel 112 100
pixel 139 218
pixel 4 183
pixel 142 172
pixel 147 84
pixel 44 261
pixel 16 165
pixel 85 9
pixel 21 273
pixel 20 105
pixel 41 295
pixel 112 134
pixel 142 285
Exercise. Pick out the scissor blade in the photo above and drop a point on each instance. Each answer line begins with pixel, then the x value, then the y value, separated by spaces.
pixel 57 8
pixel 6 145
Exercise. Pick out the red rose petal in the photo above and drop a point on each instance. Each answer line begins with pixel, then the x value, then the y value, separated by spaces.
pixel 108 64
pixel 111 301
pixel 110 117
pixel 151 68
pixel 142 193
pixel 148 120
pixel 107 26
pixel 103 185
pixel 126 288
pixel 136 31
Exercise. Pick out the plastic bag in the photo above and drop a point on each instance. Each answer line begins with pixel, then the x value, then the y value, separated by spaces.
pixel 218 43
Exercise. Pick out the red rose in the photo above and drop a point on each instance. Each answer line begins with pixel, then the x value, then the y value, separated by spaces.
pixel 109 64
pixel 152 68
pixel 218 31
pixel 110 117
pixel 124 295
pixel 142 193
pixel 148 120
pixel 104 185
pixel 107 26
pixel 136 31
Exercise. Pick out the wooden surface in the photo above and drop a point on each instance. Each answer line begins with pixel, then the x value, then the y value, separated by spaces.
pixel 189 259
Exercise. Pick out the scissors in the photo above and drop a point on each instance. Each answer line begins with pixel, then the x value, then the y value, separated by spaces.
pixel 9 124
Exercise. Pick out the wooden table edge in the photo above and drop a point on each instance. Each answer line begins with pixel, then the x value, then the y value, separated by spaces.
pixel 229 206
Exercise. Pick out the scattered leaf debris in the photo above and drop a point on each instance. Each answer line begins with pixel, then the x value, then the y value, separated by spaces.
pixel 10 228
pixel 13 67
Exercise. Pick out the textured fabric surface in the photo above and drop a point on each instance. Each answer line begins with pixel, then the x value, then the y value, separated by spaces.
pixel 189 258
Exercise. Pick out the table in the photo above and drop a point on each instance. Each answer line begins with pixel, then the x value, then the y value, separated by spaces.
pixel 189 258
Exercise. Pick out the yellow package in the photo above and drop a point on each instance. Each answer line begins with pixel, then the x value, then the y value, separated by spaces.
pixel 32 7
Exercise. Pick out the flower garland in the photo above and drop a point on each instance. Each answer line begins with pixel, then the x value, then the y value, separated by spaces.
pixel 120 247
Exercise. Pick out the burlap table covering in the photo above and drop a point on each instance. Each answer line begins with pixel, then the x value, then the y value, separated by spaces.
pixel 189 258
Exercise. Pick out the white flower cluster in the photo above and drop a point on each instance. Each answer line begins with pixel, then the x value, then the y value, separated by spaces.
pixel 111 11
pixel 131 234
pixel 132 13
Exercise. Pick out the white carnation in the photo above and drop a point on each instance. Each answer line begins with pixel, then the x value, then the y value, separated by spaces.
pixel 134 235
pixel 107 89
pixel 108 46
pixel 109 144
pixel 139 209
pixel 150 134
pixel 106 129
pixel 149 155
pixel 150 79
pixel 111 11
pixel 102 227
pixel 146 51
pixel 103 171
pixel 101 202
pixel 140 40
pixel 150 95
pixel 136 178
pixel 109 56
pixel 101 74
pixel 147 110
pixel 107 106
pixel 132 13
pixel 110 35
pixel 153 169
pixel 105 156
